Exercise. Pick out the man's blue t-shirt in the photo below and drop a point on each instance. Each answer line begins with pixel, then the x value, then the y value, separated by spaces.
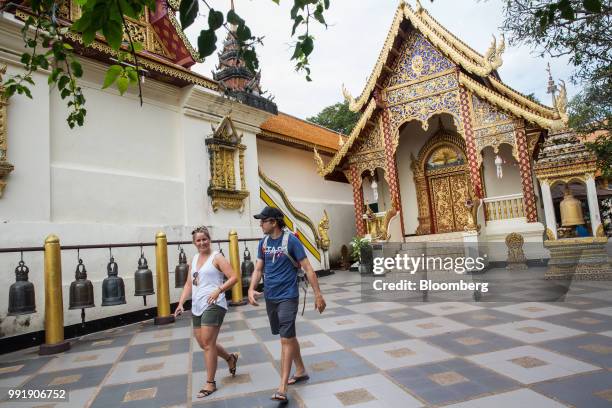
pixel 280 276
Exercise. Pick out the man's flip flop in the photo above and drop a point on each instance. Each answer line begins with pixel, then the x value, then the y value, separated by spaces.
pixel 280 397
pixel 297 379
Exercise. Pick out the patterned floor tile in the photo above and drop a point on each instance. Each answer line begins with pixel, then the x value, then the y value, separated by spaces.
pixel 67 361
pixel 447 308
pixel 367 336
pixel 334 366
pixel 310 315
pixel 529 364
pixel 450 381
pixel 403 353
pixel 371 307
pixel 484 317
pixel 311 344
pixel 149 368
pixel 86 343
pixel 518 398
pixel 255 400
pixel 354 321
pixel 429 326
pixel 74 379
pixel 534 310
pixel 603 310
pixel 162 348
pixel 583 320
pixel 603 295
pixel 533 331
pixel 592 348
pixel 76 398
pixel 370 390
pixel 249 354
pixel 472 341
pixel 163 392
pixel 583 391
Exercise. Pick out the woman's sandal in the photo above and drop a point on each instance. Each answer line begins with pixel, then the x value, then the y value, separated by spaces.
pixel 280 397
pixel 233 358
pixel 205 393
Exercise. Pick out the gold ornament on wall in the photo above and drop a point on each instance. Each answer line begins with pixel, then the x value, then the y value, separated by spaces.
pixel 5 167
pixel 323 228
pixel 222 148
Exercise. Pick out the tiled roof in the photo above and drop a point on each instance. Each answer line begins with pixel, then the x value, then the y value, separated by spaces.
pixel 291 128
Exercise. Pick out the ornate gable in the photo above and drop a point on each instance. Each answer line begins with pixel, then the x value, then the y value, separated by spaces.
pixel 418 60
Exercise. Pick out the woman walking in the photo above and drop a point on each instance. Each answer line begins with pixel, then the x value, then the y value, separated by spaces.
pixel 208 304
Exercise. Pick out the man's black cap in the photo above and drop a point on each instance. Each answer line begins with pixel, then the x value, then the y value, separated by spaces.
pixel 269 212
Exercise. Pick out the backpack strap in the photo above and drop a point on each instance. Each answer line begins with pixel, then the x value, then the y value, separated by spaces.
pixel 285 249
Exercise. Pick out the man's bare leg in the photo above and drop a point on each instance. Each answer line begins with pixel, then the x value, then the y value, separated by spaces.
pixel 300 369
pixel 287 355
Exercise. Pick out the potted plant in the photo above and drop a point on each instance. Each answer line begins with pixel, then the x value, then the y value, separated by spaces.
pixel 362 252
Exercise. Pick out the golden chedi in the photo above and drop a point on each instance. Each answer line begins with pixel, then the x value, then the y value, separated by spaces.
pixel 571 210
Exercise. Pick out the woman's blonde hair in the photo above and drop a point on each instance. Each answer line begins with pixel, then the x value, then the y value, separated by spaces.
pixel 201 229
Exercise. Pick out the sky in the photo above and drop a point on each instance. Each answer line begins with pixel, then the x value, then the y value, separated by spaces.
pixel 346 52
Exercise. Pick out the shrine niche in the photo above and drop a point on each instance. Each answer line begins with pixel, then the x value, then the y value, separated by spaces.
pixel 222 148
pixel 442 184
pixel 5 167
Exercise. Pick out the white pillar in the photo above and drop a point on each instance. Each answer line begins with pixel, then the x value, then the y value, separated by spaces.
pixel 549 208
pixel 593 206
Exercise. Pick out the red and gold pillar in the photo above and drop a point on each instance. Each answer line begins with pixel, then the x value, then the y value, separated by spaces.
pixel 526 176
pixel 391 167
pixel 470 143
pixel 355 180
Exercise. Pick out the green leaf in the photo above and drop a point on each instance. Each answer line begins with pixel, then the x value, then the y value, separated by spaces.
pixel 593 6
pixel 123 83
pixel 206 43
pixel 188 12
pixel 215 19
pixel 243 33
pixel 113 32
pixel 234 18
pixel 127 9
pixel 68 46
pixel 297 52
pixel 63 81
pixel 89 36
pixel 25 58
pixel 112 74
pixel 326 3
pixel 132 75
pixel 77 69
pixel 296 23
pixel 307 46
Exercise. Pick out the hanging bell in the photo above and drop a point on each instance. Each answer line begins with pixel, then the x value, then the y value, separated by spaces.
pixel 143 279
pixel 246 268
pixel 571 210
pixel 81 291
pixel 21 293
pixel 181 271
pixel 113 288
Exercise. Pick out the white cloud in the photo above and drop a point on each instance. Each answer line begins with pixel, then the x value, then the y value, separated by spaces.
pixel 347 51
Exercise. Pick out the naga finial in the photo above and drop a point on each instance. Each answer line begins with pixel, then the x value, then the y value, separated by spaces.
pixel 561 102
pixel 418 6
pixel 319 162
pixel 493 55
pixel 349 98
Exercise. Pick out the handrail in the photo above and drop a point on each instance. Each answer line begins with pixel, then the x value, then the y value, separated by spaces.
pixel 501 198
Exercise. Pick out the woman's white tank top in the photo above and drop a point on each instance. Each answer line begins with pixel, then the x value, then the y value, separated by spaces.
pixel 209 279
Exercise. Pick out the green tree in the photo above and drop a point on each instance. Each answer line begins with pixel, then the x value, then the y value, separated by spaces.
pixel 48 48
pixel 337 117
pixel 581 30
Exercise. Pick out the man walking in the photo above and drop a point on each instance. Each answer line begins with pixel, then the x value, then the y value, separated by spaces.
pixel 279 256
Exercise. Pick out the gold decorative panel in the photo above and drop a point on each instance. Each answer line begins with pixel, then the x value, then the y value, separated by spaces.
pixel 5 167
pixel 222 148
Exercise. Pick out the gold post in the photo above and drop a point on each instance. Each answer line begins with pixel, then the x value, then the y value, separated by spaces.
pixel 54 304
pixel 163 291
pixel 237 299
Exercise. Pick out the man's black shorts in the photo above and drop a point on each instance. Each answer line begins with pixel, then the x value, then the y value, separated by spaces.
pixel 282 314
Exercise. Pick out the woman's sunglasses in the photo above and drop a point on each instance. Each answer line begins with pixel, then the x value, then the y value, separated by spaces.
pixel 195 278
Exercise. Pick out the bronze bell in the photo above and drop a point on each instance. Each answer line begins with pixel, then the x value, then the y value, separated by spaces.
pixel 571 210
pixel 113 289
pixel 143 279
pixel 181 271
pixel 246 268
pixel 21 293
pixel 81 291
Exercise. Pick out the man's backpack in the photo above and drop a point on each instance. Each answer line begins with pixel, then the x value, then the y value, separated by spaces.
pixel 301 275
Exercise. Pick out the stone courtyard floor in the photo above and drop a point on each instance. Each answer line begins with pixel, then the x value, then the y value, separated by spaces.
pixel 358 353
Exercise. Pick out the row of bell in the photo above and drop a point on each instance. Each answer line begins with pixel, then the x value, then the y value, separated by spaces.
pixel 22 298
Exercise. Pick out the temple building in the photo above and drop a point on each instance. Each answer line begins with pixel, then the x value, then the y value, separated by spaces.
pixel 445 150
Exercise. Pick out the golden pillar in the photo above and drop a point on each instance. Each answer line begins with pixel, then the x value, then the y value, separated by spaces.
pixel 163 291
pixel 54 304
pixel 237 298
